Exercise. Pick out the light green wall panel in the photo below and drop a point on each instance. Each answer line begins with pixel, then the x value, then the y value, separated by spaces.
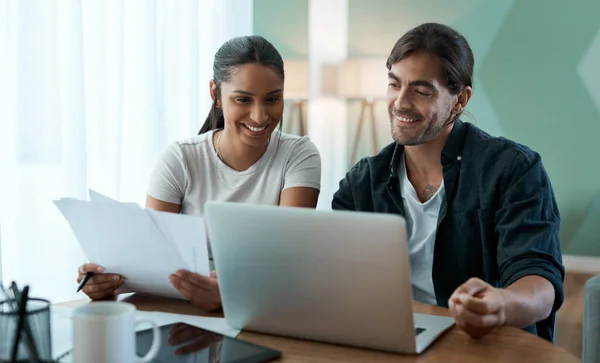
pixel 284 24
pixel 375 25
pixel 585 239
pixel 532 79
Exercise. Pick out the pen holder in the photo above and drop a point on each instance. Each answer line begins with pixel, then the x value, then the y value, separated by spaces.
pixel 34 333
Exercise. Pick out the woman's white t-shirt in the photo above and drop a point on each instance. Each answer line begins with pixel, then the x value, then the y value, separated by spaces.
pixel 190 173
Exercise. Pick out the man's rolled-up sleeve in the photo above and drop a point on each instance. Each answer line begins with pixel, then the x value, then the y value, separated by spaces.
pixel 527 224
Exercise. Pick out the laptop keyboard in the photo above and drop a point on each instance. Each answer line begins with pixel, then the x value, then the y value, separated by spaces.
pixel 419 331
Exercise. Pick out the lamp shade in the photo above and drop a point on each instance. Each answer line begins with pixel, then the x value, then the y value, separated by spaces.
pixel 362 78
pixel 296 79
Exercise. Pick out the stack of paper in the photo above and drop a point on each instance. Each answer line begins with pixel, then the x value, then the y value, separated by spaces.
pixel 144 245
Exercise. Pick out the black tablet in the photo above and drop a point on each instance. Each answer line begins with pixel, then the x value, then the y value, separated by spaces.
pixel 181 342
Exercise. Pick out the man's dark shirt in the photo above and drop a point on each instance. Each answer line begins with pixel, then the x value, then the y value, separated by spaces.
pixel 499 220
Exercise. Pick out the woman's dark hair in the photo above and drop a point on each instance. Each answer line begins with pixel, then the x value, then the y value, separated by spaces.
pixel 234 53
pixel 445 43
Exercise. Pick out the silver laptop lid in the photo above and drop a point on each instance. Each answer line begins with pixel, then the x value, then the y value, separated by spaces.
pixel 334 276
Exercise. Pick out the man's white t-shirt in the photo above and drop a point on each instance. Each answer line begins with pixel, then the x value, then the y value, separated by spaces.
pixel 421 223
pixel 190 173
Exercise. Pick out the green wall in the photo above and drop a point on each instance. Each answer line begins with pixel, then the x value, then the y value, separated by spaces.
pixel 533 77
pixel 537 81
pixel 285 25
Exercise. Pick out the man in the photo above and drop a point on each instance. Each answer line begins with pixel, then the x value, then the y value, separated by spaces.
pixel 481 215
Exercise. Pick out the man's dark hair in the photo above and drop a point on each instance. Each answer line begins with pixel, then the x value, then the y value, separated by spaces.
pixel 445 43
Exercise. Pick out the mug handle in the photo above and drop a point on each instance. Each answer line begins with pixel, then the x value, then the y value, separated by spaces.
pixel 155 341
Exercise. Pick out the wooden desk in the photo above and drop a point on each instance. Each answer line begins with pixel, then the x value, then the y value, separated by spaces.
pixel 504 345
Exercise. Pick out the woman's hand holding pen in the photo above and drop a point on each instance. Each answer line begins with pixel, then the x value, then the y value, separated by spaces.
pixel 100 285
pixel 202 291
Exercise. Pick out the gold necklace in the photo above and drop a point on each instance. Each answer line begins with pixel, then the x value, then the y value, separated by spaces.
pixel 219 146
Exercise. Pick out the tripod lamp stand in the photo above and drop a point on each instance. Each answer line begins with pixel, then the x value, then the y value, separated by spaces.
pixel 363 79
pixel 296 90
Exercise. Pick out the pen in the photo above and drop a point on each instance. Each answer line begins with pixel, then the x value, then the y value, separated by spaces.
pixel 86 278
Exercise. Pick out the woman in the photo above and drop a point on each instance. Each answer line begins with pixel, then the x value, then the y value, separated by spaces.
pixel 237 156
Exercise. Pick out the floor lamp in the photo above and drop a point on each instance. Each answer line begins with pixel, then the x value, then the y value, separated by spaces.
pixel 367 106
pixel 297 114
pixel 363 79
pixel 296 90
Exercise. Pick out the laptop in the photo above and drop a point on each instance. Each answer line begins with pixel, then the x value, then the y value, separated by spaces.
pixel 338 277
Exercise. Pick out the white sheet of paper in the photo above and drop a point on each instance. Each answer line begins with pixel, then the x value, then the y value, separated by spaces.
pixel 98 197
pixel 126 240
pixel 62 326
pixel 188 234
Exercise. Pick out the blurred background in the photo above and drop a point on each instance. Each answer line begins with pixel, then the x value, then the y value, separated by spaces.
pixel 92 91
pixel 537 79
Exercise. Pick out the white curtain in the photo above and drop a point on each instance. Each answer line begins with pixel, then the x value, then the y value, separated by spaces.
pixel 91 91
pixel 327 114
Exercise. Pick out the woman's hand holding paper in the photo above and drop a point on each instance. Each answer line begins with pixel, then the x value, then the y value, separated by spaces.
pixel 101 285
pixel 202 291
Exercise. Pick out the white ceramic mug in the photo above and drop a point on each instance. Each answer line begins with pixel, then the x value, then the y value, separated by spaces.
pixel 104 332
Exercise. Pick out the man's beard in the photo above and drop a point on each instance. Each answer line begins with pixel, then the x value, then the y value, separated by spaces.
pixel 425 130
